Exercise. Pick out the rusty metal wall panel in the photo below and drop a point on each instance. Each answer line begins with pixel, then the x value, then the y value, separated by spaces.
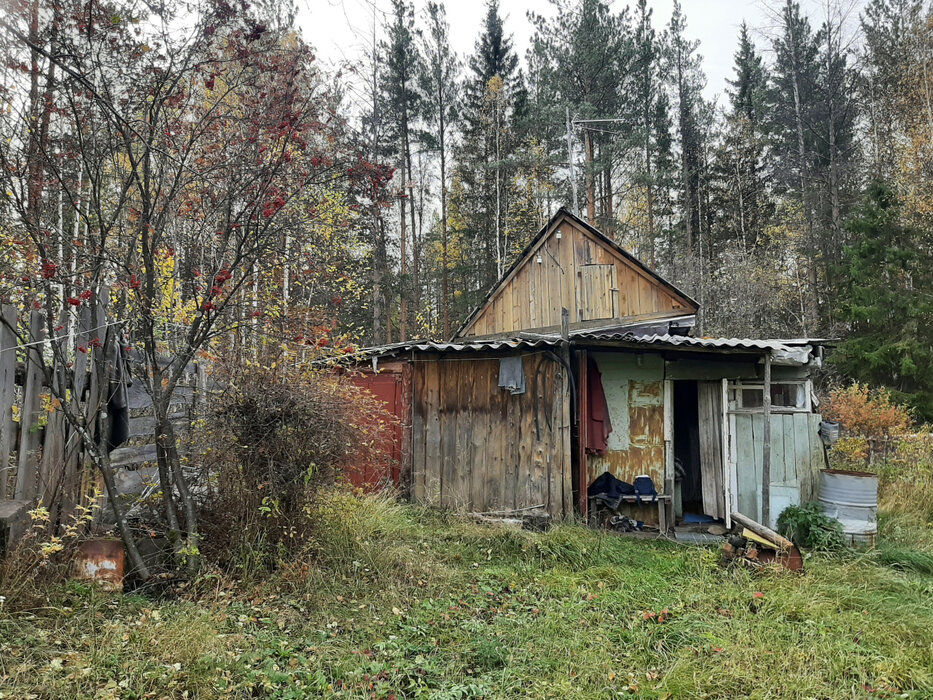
pixel 635 394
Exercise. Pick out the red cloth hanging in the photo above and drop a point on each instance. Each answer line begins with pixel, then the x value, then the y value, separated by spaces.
pixel 599 424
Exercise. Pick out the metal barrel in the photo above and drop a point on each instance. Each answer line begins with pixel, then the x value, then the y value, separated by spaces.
pixel 852 499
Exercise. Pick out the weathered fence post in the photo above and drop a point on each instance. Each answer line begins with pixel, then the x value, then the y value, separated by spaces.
pixel 7 391
pixel 29 415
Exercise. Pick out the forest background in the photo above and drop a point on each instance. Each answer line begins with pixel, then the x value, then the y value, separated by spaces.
pixel 392 190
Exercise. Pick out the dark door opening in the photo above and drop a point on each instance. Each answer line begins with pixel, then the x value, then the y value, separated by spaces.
pixel 687 475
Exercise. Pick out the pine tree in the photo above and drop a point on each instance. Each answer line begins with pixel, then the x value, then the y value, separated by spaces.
pixel 742 200
pixel 795 80
pixel 886 303
pixel 687 81
pixel 749 93
pixel 651 127
pixel 493 98
pixel 401 107
pixel 887 26
pixel 585 49
pixel 440 86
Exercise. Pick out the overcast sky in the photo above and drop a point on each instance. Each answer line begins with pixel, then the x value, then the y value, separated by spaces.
pixel 339 28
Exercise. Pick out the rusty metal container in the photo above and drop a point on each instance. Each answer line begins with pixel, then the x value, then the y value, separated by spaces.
pixel 101 561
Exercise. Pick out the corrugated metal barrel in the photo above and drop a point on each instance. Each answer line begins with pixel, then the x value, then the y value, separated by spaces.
pixel 852 499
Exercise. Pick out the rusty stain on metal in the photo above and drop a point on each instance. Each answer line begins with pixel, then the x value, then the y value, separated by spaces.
pixel 645 453
pixel 101 561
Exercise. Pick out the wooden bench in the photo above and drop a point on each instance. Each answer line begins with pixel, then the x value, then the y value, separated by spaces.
pixel 664 502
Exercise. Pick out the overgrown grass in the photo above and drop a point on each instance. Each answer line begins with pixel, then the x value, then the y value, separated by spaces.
pixel 394 601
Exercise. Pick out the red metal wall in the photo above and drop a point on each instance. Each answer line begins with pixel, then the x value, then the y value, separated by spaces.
pixel 386 386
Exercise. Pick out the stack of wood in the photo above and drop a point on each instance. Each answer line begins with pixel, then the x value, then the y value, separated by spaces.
pixel 756 546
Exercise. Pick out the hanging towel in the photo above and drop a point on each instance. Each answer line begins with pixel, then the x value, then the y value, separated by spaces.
pixel 599 424
pixel 512 375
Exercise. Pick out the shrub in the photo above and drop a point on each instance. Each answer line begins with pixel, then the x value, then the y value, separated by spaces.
pixel 870 419
pixel 808 526
pixel 42 556
pixel 278 437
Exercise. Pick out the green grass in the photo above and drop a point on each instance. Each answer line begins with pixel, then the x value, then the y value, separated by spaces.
pixel 397 601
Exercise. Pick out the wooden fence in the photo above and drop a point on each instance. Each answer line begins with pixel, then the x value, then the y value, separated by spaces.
pixel 42 458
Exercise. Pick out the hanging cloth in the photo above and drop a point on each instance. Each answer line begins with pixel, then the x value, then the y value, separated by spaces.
pixel 599 424
pixel 512 374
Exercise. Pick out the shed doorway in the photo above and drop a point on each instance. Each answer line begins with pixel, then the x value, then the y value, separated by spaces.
pixel 698 484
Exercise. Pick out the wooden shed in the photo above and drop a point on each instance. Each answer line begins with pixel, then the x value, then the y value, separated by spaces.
pixel 577 338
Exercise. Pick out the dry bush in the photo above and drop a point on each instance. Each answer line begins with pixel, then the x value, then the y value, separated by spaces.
pixel 870 419
pixel 879 435
pixel 275 439
pixel 43 556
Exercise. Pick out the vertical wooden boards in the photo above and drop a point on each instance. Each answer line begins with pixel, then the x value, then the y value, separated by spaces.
pixel 403 477
pixel 810 480
pixel 567 271
pixel 449 414
pixel 484 380
pixel 52 465
pixel 7 391
pixel 597 282
pixel 729 477
pixel 711 459
pixel 418 432
pixel 802 458
pixel 510 452
pixel 530 472
pixel 531 296
pixel 495 445
pixel 463 456
pixel 476 447
pixel 26 473
pixel 747 497
pixel 432 439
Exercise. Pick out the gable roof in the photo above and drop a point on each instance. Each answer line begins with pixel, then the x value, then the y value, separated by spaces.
pixel 522 258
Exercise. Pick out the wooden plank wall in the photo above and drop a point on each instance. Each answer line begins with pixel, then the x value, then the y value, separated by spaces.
pixel 477 448
pixel 571 275
pixel 796 456
pixel 42 458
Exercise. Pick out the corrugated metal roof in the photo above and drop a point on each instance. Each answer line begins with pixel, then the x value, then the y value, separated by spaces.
pixel 794 351
pixel 478 345
pixel 713 343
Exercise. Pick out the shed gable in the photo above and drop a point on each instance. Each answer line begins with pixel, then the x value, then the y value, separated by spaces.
pixel 571 265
